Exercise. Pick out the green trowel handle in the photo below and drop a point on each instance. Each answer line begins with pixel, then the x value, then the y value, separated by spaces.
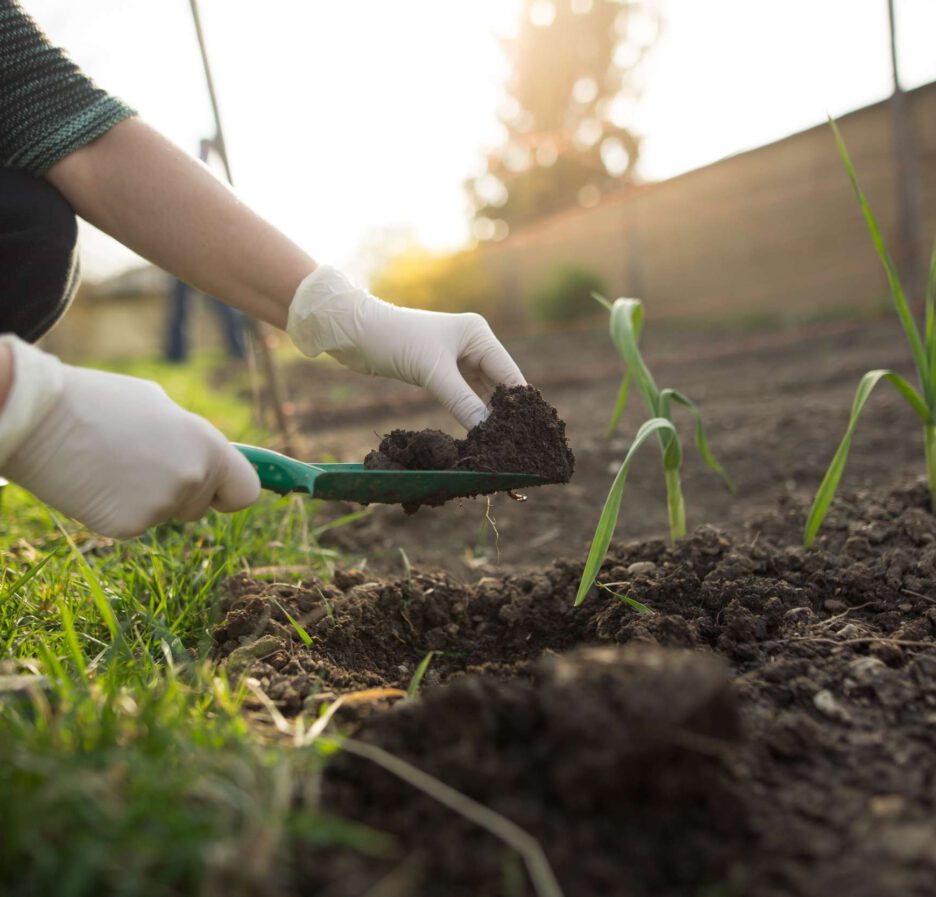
pixel 277 472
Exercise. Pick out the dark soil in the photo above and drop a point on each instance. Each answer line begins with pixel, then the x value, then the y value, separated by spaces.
pixel 769 730
pixel 414 450
pixel 522 434
pixel 775 405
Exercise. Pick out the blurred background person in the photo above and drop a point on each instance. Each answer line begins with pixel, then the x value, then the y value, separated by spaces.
pixel 230 320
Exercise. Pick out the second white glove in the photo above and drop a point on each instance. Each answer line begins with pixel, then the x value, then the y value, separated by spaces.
pixel 114 452
pixel 434 350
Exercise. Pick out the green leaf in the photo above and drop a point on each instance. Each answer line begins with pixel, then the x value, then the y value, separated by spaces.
pixel 100 599
pixel 300 631
pixel 626 324
pixel 627 319
pixel 626 599
pixel 833 476
pixel 10 590
pixel 701 441
pixel 601 299
pixel 669 442
pixel 635 327
pixel 413 688
pixel 909 392
pixel 900 301
pixel 930 314
pixel 609 514
pixel 343 520
pixel 619 405
pixel 71 636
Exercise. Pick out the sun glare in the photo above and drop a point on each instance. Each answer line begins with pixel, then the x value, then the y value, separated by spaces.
pixel 352 117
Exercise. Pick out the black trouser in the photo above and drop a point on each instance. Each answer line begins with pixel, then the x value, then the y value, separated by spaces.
pixel 38 255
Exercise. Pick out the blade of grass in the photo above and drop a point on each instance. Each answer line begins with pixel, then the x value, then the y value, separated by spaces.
pixel 300 631
pixel 609 514
pixel 54 669
pixel 29 574
pixel 343 520
pixel 541 874
pixel 97 592
pixel 71 636
pixel 900 300
pixel 833 476
pixel 412 690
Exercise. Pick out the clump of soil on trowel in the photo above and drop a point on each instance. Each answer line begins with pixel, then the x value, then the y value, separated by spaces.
pixel 414 450
pixel 522 434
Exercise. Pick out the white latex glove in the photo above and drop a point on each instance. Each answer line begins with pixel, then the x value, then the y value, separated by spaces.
pixel 114 452
pixel 434 350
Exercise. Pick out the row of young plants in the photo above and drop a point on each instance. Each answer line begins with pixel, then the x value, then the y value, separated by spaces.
pixel 626 324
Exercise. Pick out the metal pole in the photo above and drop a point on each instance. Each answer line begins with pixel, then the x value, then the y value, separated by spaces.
pixel 257 330
pixel 909 254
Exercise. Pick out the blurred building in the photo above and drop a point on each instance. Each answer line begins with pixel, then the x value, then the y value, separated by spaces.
pixel 126 317
pixel 770 234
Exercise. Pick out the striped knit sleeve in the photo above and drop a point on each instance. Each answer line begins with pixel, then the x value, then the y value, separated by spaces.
pixel 48 107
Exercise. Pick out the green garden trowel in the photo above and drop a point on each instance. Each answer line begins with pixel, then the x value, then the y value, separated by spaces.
pixel 353 482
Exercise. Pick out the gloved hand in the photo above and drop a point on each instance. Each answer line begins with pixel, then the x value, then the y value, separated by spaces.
pixel 434 350
pixel 114 452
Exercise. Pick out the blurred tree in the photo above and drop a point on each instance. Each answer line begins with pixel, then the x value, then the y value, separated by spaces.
pixel 569 104
pixel 438 281
pixel 565 294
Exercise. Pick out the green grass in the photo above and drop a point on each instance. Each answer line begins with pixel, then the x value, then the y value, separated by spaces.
pixel 127 766
pixel 921 398
pixel 194 385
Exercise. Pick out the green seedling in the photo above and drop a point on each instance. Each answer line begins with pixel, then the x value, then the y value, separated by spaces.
pixel 633 603
pixel 412 689
pixel 304 636
pixel 627 318
pixel 612 507
pixel 923 350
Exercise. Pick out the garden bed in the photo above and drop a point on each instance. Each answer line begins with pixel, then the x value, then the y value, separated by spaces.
pixel 769 730
pixel 775 406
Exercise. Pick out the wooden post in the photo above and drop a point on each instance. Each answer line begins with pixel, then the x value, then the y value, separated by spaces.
pixel 909 254
pixel 258 332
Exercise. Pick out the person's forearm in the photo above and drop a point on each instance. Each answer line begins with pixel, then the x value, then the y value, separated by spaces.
pixel 6 374
pixel 147 193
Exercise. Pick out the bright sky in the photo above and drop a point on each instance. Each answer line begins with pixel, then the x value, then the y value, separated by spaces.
pixel 346 118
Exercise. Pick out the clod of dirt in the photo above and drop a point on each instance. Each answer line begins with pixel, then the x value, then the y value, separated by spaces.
pixel 522 434
pixel 833 658
pixel 603 756
pixel 414 450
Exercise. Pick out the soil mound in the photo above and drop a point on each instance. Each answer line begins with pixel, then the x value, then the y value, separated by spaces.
pixel 602 755
pixel 831 660
pixel 522 434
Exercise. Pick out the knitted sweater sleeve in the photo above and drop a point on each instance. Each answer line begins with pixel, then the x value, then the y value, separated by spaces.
pixel 48 107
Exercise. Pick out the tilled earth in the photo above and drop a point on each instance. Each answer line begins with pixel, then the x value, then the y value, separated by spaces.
pixel 769 729
pixel 775 405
